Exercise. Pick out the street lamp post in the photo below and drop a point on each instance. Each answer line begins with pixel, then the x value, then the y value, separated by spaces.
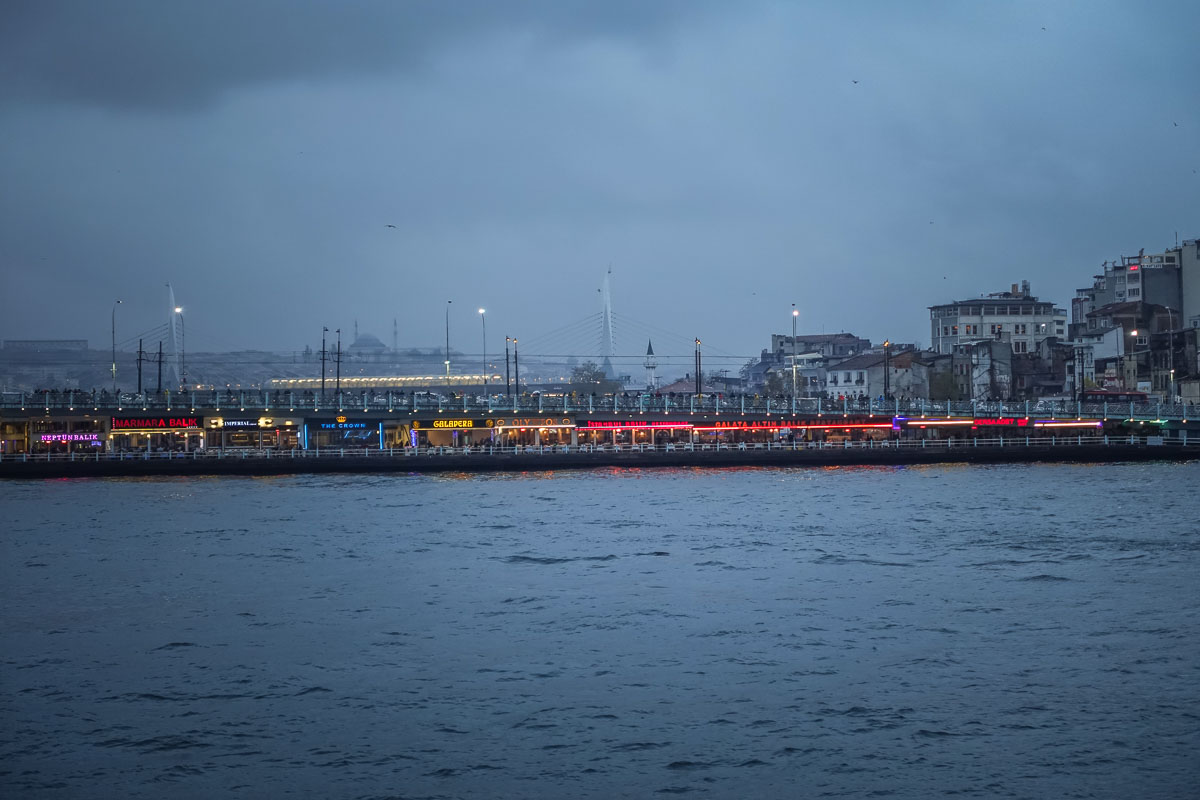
pixel 698 385
pixel 516 368
pixel 483 321
pixel 1134 334
pixel 448 302
pixel 182 350
pixel 337 385
pixel 1171 349
pixel 114 345
pixel 887 343
pixel 507 377
pixel 795 314
pixel 324 331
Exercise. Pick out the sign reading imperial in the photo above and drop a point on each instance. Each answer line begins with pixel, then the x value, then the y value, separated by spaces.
pixel 154 423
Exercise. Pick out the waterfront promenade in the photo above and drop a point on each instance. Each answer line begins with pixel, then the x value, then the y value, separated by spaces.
pixel 18 404
pixel 1069 448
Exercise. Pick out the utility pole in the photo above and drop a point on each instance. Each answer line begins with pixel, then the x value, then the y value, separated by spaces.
pixel 140 354
pixel 160 366
pixel 483 321
pixel 448 302
pixel 697 366
pixel 338 362
pixel 323 332
pixel 516 368
pixel 114 345
pixel 507 377
pixel 887 343
pixel 795 314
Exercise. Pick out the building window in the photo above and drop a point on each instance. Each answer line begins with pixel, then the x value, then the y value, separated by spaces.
pixel 954 330
pixel 1143 340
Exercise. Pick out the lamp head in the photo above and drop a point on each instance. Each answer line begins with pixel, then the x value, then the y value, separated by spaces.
pixel 178 309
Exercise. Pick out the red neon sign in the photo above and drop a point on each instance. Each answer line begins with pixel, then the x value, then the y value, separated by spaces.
pixel 774 426
pixel 594 424
pixel 141 423
pixel 1019 422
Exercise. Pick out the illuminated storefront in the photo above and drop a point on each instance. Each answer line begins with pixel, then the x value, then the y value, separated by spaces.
pixel 156 434
pixel 66 436
pixel 253 432
pixel 448 432
pixel 83 434
pixel 655 432
pixel 603 431
pixel 828 430
pixel 534 430
pixel 341 431
pixel 993 427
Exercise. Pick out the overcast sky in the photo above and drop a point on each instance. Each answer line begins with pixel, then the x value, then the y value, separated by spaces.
pixel 863 160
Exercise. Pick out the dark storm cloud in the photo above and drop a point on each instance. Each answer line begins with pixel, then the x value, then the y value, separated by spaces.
pixel 862 160
pixel 150 54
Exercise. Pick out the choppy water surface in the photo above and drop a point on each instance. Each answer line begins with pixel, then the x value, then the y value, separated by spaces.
pixel 1023 631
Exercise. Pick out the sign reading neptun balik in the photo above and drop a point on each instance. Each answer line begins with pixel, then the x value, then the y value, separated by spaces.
pixel 154 423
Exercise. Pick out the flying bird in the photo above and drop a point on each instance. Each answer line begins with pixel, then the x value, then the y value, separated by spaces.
pixel 853 81
pixel 391 226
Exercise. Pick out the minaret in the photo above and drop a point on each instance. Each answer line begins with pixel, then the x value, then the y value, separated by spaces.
pixel 651 364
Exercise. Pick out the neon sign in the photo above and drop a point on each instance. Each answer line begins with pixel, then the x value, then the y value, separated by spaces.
pixel 594 424
pixel 151 423
pixel 70 437
pixel 774 426
pixel 1020 422
pixel 930 423
pixel 240 423
pixel 535 422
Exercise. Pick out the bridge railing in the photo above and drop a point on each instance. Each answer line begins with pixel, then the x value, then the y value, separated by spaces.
pixel 299 403
pixel 211 455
